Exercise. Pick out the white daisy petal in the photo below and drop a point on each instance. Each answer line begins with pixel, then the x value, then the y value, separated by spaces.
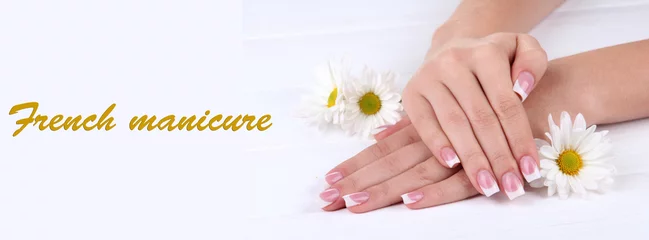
pixel 561 180
pixel 589 143
pixel 548 164
pixel 538 183
pixel 540 143
pixel 549 152
pixel 580 123
pixel 576 186
pixel 595 172
pixel 566 129
pixel 552 174
pixel 551 121
pixel 587 182
pixel 552 189
pixel 600 151
pixel 557 139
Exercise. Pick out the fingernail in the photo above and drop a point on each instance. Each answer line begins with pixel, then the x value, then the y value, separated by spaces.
pixel 450 157
pixel 487 183
pixel 529 169
pixel 330 195
pixel 513 186
pixel 412 197
pixel 356 198
pixel 333 177
pixel 384 127
pixel 523 85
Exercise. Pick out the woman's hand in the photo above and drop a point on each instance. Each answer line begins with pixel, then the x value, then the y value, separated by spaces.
pixel 397 164
pixel 465 103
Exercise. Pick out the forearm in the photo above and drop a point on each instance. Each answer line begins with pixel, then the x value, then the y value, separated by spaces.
pixel 478 18
pixel 606 85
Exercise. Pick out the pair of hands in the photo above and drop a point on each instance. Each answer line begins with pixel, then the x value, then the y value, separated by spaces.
pixel 464 105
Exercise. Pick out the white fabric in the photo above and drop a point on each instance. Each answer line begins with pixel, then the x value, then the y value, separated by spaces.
pixel 284 40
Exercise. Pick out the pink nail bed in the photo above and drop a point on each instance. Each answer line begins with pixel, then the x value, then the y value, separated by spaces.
pixel 333 177
pixel 449 157
pixel 412 197
pixel 487 183
pixel 513 186
pixel 330 195
pixel 523 85
pixel 529 169
pixel 356 198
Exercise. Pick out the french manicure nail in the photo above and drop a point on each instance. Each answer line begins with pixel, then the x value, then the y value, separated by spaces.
pixel 330 195
pixel 523 85
pixel 450 157
pixel 384 127
pixel 356 198
pixel 513 186
pixel 333 177
pixel 487 183
pixel 412 197
pixel 529 169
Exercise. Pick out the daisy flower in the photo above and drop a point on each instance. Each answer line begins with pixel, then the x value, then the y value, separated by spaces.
pixel 325 107
pixel 577 158
pixel 371 102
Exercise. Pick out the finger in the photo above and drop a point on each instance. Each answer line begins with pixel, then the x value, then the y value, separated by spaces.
pixel 378 150
pixel 375 173
pixel 495 79
pixel 486 127
pixel 389 130
pixel 389 192
pixel 453 120
pixel 428 128
pixel 455 188
pixel 530 61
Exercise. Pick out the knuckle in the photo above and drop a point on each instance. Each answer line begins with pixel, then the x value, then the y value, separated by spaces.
pixel 456 117
pixel 483 118
pixel 472 156
pixel 380 149
pixel 411 138
pixel 500 158
pixel 508 108
pixel 451 55
pixel 392 164
pixel 464 181
pixel 486 50
pixel 349 184
pixel 424 172
pixel 439 193
pixel 380 190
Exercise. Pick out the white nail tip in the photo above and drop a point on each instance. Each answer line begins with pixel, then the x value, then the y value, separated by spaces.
pixel 491 191
pixel 531 177
pixel 323 203
pixel 518 89
pixel 517 193
pixel 337 175
pixel 349 202
pixel 406 199
pixel 453 162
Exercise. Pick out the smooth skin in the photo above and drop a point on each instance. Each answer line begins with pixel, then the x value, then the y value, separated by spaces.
pixel 401 161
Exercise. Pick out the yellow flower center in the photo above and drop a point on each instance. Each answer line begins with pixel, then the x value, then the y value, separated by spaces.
pixel 332 98
pixel 570 162
pixel 369 103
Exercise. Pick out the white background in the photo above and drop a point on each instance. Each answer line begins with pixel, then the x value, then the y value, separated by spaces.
pixel 256 57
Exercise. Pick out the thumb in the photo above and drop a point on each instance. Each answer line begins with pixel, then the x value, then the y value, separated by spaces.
pixel 529 65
